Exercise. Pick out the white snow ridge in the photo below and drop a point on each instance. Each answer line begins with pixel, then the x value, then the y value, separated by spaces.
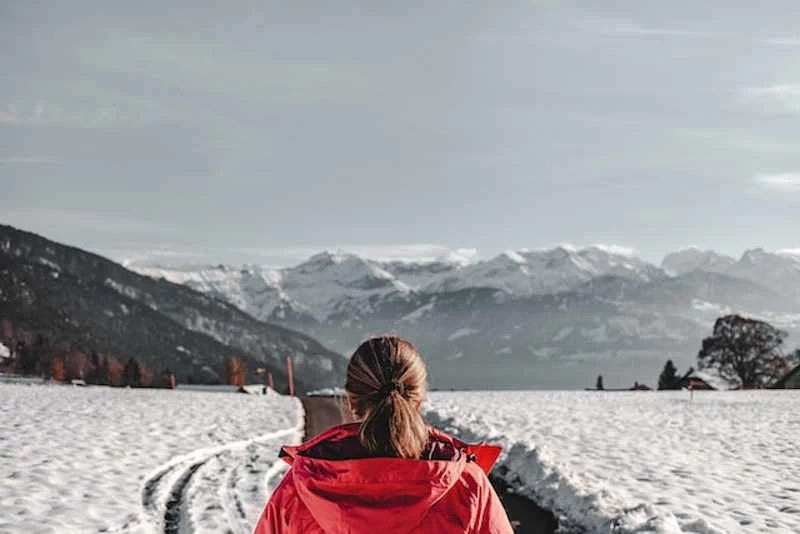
pixel 635 462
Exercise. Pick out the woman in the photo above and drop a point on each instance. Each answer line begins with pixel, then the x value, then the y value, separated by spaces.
pixel 388 473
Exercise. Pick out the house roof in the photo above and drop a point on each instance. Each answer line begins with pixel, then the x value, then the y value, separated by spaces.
pixel 712 379
pixel 781 384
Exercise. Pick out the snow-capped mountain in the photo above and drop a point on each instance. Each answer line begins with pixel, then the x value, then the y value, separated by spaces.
pixel 779 271
pixel 527 273
pixel 694 259
pixel 324 284
pixel 332 283
pixel 548 318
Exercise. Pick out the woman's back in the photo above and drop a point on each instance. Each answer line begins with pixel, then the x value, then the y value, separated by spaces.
pixel 389 473
pixel 336 487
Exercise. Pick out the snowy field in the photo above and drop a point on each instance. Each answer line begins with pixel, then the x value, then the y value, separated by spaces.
pixel 656 462
pixel 138 461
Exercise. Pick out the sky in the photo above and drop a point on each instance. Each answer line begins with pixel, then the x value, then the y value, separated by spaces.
pixel 260 132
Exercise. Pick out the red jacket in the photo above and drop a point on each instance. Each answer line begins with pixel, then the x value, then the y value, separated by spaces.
pixel 335 487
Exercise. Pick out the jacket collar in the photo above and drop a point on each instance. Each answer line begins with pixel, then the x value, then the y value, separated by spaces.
pixel 482 454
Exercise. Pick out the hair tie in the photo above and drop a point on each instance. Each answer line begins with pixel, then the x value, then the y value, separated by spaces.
pixel 391 387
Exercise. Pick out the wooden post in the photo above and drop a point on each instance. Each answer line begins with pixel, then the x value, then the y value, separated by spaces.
pixel 290 375
pixel 270 382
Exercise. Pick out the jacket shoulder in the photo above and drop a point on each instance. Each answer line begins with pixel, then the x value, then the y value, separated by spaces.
pixel 285 513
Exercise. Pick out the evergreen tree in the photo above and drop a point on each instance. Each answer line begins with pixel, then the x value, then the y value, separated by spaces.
pixel 600 386
pixel 28 357
pixel 94 374
pixel 668 379
pixel 132 375
pixel 102 372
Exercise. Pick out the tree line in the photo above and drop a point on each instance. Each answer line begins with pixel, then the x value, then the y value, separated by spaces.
pixel 34 354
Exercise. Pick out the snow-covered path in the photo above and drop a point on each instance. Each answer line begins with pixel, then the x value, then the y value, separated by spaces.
pixel 139 461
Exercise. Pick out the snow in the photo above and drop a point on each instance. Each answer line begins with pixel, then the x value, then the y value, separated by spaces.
pixel 516 257
pixel 326 282
pixel 705 306
pixel 563 333
pixel 317 287
pixel 48 263
pixel 643 462
pixel 713 379
pixel 462 332
pixel 327 392
pixel 693 259
pixel 4 351
pixel 419 313
pixel 793 253
pixel 103 459
pixel 526 273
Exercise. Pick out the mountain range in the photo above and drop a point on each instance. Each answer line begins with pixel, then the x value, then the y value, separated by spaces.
pixel 82 300
pixel 547 318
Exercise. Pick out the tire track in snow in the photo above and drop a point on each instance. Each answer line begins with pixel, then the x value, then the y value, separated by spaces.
pixel 231 502
pixel 176 505
pixel 164 492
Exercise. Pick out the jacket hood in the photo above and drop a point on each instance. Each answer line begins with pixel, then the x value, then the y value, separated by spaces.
pixel 347 491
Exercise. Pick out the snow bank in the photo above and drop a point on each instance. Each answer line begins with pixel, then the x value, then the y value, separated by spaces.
pixel 102 459
pixel 639 462
pixel 327 392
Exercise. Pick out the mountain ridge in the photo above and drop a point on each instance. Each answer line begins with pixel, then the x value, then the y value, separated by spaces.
pixel 191 311
pixel 550 311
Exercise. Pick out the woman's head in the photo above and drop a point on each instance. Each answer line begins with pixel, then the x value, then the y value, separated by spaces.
pixel 386 385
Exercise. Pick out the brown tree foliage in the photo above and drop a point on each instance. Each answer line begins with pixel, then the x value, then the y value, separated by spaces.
pixel 77 365
pixel 146 376
pixel 57 369
pixel 115 370
pixel 235 372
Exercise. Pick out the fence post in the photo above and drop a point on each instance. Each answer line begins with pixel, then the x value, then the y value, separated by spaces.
pixel 290 374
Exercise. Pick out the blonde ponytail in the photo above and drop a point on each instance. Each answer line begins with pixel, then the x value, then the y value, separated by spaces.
pixel 386 384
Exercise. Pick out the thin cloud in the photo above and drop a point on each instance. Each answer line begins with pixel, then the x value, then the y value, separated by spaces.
pixel 631 28
pixel 783 182
pixel 792 41
pixel 783 96
pixel 25 160
pixel 413 252
pixel 739 140
pixel 149 254
pixel 619 250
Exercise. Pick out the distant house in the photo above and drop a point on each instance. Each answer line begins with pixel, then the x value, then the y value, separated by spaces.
pixel 790 381
pixel 696 383
pixel 704 380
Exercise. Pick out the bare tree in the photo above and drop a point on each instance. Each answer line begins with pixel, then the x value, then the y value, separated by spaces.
pixel 744 351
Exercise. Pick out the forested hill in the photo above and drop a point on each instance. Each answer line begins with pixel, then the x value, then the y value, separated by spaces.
pixel 73 298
